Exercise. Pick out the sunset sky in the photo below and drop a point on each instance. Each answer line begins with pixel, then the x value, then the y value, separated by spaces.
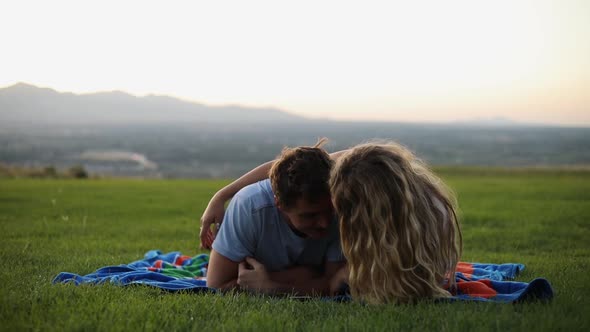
pixel 435 61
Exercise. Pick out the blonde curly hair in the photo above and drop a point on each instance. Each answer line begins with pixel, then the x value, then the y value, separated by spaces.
pixel 398 225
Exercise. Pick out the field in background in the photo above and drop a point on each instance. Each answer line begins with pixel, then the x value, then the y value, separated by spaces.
pixel 540 218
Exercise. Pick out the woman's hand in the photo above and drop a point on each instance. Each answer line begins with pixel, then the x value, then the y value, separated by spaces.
pixel 211 220
pixel 338 280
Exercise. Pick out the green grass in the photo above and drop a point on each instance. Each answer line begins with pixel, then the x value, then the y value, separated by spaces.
pixel 540 218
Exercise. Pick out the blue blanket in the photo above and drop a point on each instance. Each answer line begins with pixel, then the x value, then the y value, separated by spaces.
pixel 174 272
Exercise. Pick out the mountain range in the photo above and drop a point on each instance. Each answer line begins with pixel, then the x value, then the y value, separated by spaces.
pixel 24 104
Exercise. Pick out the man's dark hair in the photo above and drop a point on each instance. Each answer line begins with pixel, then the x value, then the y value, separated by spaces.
pixel 301 172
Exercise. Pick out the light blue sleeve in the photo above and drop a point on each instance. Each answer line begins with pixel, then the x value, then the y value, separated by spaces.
pixel 236 239
pixel 334 251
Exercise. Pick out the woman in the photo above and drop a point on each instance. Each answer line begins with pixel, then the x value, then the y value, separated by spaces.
pixel 398 225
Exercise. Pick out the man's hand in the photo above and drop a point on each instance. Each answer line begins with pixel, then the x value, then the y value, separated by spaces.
pixel 252 275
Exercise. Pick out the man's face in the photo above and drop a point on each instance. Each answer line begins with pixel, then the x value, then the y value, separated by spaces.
pixel 310 218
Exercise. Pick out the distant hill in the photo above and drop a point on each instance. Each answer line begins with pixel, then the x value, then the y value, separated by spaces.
pixel 25 104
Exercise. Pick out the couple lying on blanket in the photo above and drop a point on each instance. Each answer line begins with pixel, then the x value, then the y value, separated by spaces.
pixel 372 218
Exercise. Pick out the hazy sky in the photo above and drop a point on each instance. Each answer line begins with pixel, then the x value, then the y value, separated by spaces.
pixel 400 61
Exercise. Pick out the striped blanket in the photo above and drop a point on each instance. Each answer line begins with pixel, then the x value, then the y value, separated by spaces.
pixel 174 272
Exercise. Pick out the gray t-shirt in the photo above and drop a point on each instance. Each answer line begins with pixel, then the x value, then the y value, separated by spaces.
pixel 254 227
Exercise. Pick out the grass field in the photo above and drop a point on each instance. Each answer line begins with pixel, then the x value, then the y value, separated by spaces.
pixel 539 218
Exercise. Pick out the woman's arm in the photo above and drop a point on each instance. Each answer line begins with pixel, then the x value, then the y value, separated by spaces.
pixel 214 212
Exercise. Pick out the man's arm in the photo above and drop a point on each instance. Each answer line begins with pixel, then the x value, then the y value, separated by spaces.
pixel 222 273
pixel 252 276
pixel 225 274
pixel 319 285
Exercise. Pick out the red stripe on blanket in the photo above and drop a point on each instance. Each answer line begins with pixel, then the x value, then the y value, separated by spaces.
pixel 181 259
pixel 481 288
pixel 465 268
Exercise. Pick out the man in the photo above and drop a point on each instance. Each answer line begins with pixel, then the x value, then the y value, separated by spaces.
pixel 280 235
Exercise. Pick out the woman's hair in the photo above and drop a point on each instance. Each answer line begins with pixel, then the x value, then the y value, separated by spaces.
pixel 398 225
pixel 301 172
